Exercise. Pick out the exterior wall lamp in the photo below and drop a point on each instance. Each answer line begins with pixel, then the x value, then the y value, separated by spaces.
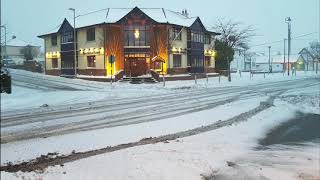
pixel 136 34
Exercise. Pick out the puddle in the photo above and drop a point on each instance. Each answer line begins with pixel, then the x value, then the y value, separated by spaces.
pixel 303 128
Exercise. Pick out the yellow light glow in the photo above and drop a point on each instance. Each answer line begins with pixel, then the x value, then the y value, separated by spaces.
pixel 174 49
pixel 58 54
pixel 86 51
pixel 136 34
pixel 101 51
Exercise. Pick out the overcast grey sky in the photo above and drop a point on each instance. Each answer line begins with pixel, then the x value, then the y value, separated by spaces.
pixel 28 18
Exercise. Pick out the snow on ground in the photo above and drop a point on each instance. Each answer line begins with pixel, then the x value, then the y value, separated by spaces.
pixel 186 158
pixel 87 91
pixel 65 144
pixel 189 157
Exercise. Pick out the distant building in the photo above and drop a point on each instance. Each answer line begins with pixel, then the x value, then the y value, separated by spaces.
pixel 141 40
pixel 243 60
pixel 309 58
pixel 14 50
pixel 278 63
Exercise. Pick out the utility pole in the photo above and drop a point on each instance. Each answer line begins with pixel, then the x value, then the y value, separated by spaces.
pixel 270 69
pixel 288 21
pixel 284 55
pixel 74 41
pixel 5 42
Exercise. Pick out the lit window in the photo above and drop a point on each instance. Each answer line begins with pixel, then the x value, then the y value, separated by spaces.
pixel 91 61
pixel 54 62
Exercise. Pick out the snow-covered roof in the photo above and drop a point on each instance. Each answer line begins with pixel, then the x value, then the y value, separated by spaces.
pixel 18 42
pixel 113 15
pixel 275 58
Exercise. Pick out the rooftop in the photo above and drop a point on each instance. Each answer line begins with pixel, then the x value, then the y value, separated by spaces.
pixel 113 15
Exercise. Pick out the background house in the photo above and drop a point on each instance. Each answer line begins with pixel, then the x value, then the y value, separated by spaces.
pixel 309 57
pixel 15 51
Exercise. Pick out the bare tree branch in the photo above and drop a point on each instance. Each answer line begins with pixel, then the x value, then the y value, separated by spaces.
pixel 234 34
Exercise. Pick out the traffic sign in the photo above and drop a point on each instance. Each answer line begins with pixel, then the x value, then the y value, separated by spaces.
pixel 112 59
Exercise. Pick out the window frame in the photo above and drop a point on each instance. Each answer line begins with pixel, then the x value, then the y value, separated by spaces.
pixel 91 34
pixel 94 64
pixel 175 58
pixel 56 64
pixel 176 33
pixel 67 37
pixel 54 40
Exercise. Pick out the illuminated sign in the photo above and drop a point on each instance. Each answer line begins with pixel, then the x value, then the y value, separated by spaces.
pixel 92 51
pixel 55 54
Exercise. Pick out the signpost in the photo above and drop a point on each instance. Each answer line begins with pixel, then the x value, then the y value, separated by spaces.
pixel 112 59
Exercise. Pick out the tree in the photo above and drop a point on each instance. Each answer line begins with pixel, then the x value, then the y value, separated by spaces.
pixel 233 36
pixel 30 52
pixel 224 52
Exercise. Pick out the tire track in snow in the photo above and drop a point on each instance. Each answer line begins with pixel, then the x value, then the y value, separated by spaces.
pixel 41 163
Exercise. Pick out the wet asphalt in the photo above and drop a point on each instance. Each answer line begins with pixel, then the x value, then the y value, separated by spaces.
pixel 303 128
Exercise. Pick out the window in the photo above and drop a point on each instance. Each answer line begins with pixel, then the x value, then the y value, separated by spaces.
pixel 54 40
pixel 176 34
pixel 197 61
pixel 177 60
pixel 207 39
pixel 207 61
pixel 91 34
pixel 91 61
pixel 197 37
pixel 67 37
pixel 136 35
pixel 54 62
pixel 158 65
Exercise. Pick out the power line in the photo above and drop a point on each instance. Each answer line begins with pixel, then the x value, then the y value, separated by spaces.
pixel 274 42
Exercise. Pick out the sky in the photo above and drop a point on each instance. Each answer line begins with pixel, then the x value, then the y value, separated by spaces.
pixel 26 19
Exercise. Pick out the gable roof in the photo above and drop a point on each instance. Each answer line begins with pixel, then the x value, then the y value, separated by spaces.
pixel 114 15
pixel 65 26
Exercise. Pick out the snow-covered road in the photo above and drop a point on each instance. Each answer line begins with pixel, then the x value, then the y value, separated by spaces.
pixel 45 122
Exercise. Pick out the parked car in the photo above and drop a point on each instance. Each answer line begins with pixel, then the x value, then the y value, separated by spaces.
pixel 8 62
pixel 5 81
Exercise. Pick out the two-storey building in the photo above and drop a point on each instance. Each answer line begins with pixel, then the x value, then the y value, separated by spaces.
pixel 141 40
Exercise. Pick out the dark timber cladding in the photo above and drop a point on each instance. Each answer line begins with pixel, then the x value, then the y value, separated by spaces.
pixel 67 48
pixel 196 47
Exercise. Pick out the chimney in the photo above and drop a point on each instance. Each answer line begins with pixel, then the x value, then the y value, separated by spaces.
pixel 185 13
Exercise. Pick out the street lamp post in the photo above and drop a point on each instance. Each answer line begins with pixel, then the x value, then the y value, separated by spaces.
pixel 288 21
pixel 74 41
pixel 270 67
pixel 284 55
